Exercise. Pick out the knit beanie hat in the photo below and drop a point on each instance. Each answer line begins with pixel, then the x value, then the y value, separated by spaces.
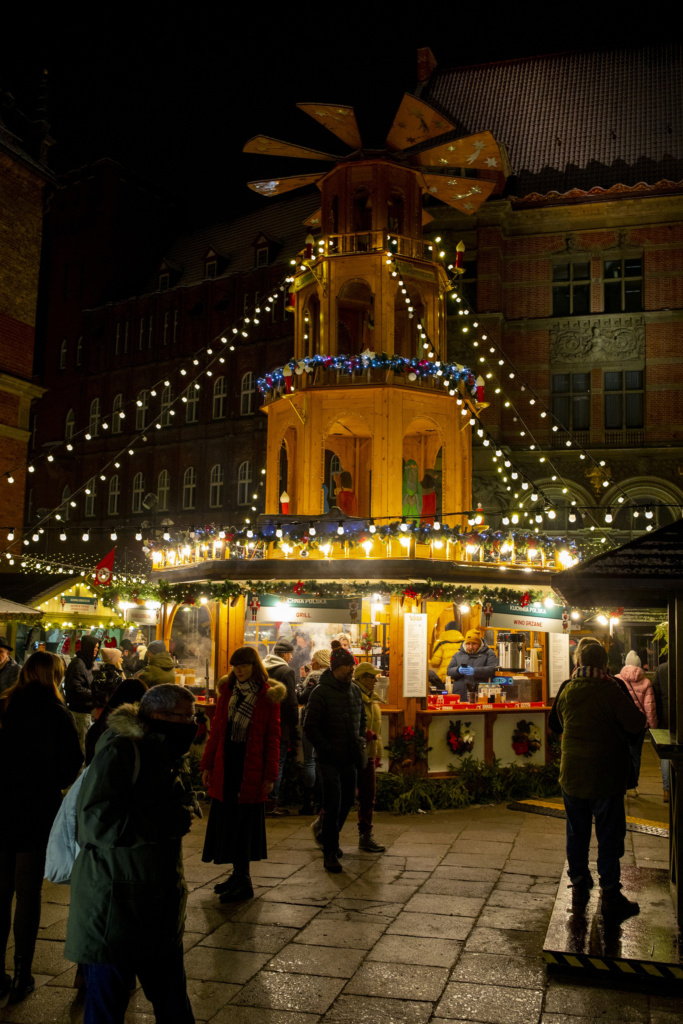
pixel 111 656
pixel 156 647
pixel 322 657
pixel 340 656
pixel 633 659
pixel 472 634
pixel 283 647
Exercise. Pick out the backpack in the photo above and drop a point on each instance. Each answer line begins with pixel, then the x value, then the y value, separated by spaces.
pixel 62 846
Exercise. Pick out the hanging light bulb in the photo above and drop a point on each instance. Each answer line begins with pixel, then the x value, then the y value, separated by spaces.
pixel 10 535
pixel 572 517
pixel 167 535
pixel 138 536
pixel 372 528
pixel 437 525
pixel 278 531
pixel 113 535
pixel 608 515
pixel 311 531
pixel 86 536
pixel 648 513
pixel 340 529
pixel 35 538
pixel 62 535
pixel 403 527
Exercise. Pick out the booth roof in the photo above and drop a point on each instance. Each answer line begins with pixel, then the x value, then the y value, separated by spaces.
pixel 34 586
pixel 645 572
pixel 12 610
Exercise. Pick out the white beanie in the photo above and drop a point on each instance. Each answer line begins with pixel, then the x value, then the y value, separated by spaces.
pixel 633 659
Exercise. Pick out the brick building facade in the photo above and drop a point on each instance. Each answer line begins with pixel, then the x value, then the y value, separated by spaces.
pixel 22 180
pixel 576 273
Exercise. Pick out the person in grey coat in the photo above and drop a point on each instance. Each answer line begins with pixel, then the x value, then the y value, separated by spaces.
pixel 9 669
pixel 474 661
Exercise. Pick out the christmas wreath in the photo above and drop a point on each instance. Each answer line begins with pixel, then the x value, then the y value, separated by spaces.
pixel 526 739
pixel 460 738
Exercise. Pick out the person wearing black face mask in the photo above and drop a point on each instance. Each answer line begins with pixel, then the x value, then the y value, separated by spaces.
pixel 128 893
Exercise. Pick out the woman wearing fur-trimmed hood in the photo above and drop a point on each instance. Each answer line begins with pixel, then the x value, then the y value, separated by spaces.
pixel 239 768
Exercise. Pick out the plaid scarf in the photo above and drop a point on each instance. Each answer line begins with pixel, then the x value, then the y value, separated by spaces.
pixel 241 707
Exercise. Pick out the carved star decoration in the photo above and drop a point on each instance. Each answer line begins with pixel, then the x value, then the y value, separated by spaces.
pixel 492 162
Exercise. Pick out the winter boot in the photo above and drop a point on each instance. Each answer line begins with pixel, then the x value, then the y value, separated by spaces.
pixel 616 905
pixel 23 982
pixel 367 842
pixel 240 891
pixel 331 863
pixel 227 885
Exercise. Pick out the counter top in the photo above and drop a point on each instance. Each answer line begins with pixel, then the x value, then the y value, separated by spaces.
pixel 473 709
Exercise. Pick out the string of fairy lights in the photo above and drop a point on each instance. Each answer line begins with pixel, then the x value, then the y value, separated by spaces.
pixel 456 377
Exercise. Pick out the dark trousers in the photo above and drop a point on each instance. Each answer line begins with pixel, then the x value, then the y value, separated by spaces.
pixel 21 873
pixel 108 988
pixel 610 829
pixel 284 749
pixel 367 789
pixel 339 792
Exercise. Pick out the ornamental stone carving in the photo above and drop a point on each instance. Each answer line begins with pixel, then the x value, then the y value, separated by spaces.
pixel 597 339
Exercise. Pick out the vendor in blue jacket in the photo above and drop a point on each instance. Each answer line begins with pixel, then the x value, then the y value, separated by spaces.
pixel 474 662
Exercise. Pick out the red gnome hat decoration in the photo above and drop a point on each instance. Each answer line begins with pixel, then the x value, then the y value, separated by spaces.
pixel 104 570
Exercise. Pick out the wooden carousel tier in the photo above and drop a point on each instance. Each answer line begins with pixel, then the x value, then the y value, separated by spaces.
pixel 365 569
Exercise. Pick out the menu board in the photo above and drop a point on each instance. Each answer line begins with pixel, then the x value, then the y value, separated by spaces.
pixel 558 661
pixel 414 654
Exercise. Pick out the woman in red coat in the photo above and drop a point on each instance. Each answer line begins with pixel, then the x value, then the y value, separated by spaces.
pixel 239 769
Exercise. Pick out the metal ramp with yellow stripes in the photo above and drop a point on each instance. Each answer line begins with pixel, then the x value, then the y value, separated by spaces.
pixel 555 809
pixel 646 946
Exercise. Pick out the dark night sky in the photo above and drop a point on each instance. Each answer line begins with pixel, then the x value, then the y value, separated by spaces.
pixel 177 104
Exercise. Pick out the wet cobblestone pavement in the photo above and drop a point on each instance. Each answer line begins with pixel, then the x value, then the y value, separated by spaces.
pixel 447 925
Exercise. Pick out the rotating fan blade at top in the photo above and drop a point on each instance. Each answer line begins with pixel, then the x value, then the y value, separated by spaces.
pixel 465 194
pixel 338 119
pixel 476 151
pixel 275 147
pixel 416 122
pixel 277 186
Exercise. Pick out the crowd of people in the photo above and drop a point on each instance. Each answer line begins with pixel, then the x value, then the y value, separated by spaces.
pixel 132 727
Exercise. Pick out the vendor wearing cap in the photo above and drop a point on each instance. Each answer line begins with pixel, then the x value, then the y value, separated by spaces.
pixel 9 669
pixel 475 661
pixel 365 676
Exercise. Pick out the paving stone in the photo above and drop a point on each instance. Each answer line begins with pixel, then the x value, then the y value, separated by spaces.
pixel 366 907
pixel 546 888
pixel 572 997
pixel 531 919
pixel 422 863
pixel 451 886
pixel 349 930
pixel 210 963
pixel 253 938
pixel 308 895
pixel 475 860
pixel 232 1014
pixel 465 873
pixel 50 913
pixel 394 949
pixel 386 892
pixel 438 927
pixel 510 971
pixel 191 939
pixel 366 1010
pixel 490 835
pixel 522 868
pixel 419 850
pixel 49 957
pixel 492 1003
pixel 566 1018
pixel 329 961
pixel 464 845
pixel 66 979
pixel 393 981
pixel 206 918
pixel 56 930
pixel 289 915
pixel 420 837
pixel 282 855
pixel 47 1004
pixel 523 900
pixel 268 869
pixel 459 906
pixel 507 941
pixel 290 992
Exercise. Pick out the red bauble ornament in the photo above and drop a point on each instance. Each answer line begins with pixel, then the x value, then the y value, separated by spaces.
pixel 298 588
pixel 525 599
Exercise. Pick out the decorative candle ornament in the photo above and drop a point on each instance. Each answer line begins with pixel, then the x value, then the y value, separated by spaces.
pixel 287 374
pixel 459 266
pixel 480 388
pixel 284 501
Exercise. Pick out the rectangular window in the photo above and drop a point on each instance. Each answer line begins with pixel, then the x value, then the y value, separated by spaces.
pixel 141 335
pixel 166 319
pixel 262 256
pixel 164 281
pixel 571 289
pixel 117 343
pixel 571 400
pixel 211 269
pixel 192 406
pixel 624 399
pixel 623 284
pixel 150 332
pixel 469 286
pixel 175 327
pixel 125 337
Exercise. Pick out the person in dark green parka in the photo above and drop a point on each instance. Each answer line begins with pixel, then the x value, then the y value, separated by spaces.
pixel 128 892
pixel 160 666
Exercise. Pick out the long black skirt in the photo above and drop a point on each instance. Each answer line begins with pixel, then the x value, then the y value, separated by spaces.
pixel 235 833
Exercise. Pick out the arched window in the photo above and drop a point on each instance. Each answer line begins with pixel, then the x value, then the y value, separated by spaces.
pixel 192 405
pixel 395 212
pixel 66 502
pixel 335 465
pixel 166 402
pixel 189 487
pixel 220 394
pixel 355 317
pixel 114 495
pixel 117 415
pixel 243 483
pixel 362 210
pixel 163 490
pixel 247 394
pixel 312 326
pixel 216 486
pixel 69 425
pixel 79 351
pixel 63 353
pixel 138 492
pixel 94 424
pixel 142 405
pixel 90 497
